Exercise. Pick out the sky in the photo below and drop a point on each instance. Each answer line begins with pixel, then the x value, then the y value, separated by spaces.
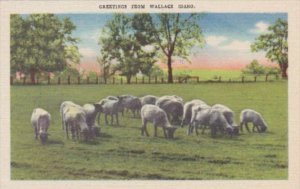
pixel 228 37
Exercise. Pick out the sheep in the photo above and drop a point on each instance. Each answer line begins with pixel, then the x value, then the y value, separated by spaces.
pixel 111 107
pixel 249 115
pixel 40 120
pixel 173 108
pixel 75 120
pixel 132 103
pixel 63 106
pixel 228 113
pixel 148 99
pixel 194 111
pixel 215 119
pixel 162 99
pixel 91 111
pixel 187 111
pixel 157 116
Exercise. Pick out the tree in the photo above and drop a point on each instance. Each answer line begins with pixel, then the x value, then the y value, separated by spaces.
pixel 254 68
pixel 123 45
pixel 175 34
pixel 275 44
pixel 41 43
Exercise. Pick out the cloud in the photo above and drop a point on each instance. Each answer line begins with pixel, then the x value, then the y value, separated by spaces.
pixel 236 45
pixel 87 52
pixel 215 40
pixel 260 27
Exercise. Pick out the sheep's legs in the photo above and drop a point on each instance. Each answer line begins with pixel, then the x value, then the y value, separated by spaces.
pixel 106 122
pixel 241 126
pixel 67 132
pixel 247 127
pixel 98 118
pixel 112 119
pixel 196 130
pixel 36 132
pixel 117 118
pixel 165 133
pixel 155 130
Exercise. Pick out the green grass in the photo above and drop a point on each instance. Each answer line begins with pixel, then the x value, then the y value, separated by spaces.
pixel 122 153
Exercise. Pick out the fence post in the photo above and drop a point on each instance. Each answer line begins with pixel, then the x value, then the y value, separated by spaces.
pixel 48 79
pixel 105 80
pixel 255 77
pixel 266 77
pixel 69 79
pixel 78 80
pixel 220 79
pixel 136 81
pixel 162 80
pixel 155 79
pixel 24 80
pixel 96 79
pixel 121 80
pixel 37 80
pixel 113 80
pixel 143 80
pixel 243 78
pixel 58 80
pixel 87 80
pixel 11 80
pixel 149 80
pixel 197 79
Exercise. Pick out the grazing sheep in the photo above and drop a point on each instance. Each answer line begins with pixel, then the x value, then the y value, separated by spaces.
pixel 187 111
pixel 228 113
pixel 40 120
pixel 162 99
pixel 215 119
pixel 91 111
pixel 157 116
pixel 111 107
pixel 63 106
pixel 195 109
pixel 173 108
pixel 148 99
pixel 132 103
pixel 75 120
pixel 248 115
pixel 108 99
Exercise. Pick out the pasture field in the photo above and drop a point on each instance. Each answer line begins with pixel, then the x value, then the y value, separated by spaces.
pixel 122 153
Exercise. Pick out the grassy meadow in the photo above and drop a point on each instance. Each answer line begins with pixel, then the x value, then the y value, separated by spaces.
pixel 122 153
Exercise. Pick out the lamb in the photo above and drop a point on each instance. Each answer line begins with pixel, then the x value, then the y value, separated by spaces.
pixel 40 120
pixel 75 120
pixel 157 116
pixel 148 99
pixel 187 111
pixel 249 115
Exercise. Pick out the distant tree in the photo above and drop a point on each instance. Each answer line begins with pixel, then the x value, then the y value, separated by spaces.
pixel 123 45
pixel 41 43
pixel 254 68
pixel 275 43
pixel 156 71
pixel 175 35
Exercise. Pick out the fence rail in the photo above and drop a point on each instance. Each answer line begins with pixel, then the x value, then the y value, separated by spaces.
pixel 137 80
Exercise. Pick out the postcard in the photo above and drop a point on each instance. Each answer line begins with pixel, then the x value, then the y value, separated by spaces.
pixel 152 94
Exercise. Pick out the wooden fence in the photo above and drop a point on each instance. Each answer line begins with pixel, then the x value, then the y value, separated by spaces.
pixel 137 80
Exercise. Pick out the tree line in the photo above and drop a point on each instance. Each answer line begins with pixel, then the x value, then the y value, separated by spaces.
pixel 129 43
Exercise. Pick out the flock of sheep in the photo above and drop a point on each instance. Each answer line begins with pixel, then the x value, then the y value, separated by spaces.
pixel 164 112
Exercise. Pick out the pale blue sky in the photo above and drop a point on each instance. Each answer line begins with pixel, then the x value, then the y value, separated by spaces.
pixel 226 34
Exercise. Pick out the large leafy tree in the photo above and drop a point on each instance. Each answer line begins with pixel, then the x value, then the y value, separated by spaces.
pixel 176 35
pixel 275 44
pixel 41 43
pixel 123 43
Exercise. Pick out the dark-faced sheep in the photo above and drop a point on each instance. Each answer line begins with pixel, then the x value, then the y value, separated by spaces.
pixel 251 116
pixel 157 116
pixel 40 120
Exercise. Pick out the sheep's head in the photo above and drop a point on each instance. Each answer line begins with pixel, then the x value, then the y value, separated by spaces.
pixel 236 130
pixel 98 107
pixel 170 132
pixel 43 137
pixel 263 129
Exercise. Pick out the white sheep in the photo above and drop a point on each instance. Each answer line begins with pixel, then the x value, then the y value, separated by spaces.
pixel 40 120
pixel 162 99
pixel 111 107
pixel 157 116
pixel 187 111
pixel 91 111
pixel 195 109
pixel 63 106
pixel 148 99
pixel 251 116
pixel 75 120
pixel 132 103
pixel 228 113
